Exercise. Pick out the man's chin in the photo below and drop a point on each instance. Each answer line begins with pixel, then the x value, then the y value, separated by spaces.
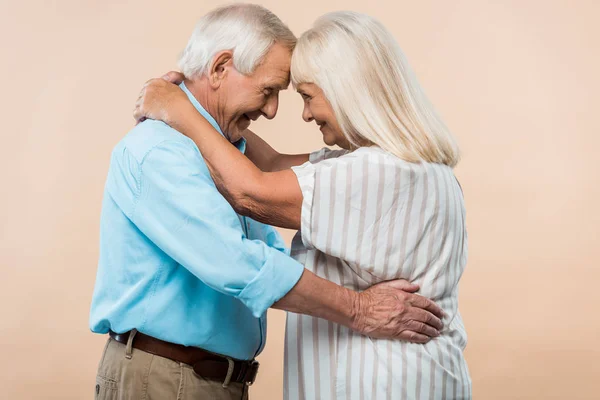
pixel 235 136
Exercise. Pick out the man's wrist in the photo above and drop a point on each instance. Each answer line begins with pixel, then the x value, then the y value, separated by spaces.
pixel 350 307
pixel 318 297
pixel 355 310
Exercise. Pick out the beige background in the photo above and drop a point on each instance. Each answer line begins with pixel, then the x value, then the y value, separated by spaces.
pixel 515 80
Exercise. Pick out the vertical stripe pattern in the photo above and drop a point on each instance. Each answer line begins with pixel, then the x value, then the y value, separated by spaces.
pixel 367 217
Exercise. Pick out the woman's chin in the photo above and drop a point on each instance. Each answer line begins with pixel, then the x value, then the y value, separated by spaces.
pixel 329 141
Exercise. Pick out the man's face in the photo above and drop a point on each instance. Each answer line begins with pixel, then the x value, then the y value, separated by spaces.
pixel 243 99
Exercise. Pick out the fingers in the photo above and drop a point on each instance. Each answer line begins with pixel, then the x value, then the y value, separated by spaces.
pixel 139 101
pixel 173 77
pixel 401 284
pixel 147 83
pixel 422 302
pixel 417 314
pixel 137 110
pixel 423 329
pixel 414 337
pixel 138 115
pixel 154 83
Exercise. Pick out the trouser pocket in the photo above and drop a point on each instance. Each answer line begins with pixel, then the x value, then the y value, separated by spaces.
pixel 106 389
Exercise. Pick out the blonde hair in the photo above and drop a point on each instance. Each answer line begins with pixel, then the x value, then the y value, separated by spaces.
pixel 249 30
pixel 374 94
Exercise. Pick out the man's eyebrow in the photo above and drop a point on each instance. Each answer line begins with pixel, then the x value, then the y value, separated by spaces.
pixel 278 85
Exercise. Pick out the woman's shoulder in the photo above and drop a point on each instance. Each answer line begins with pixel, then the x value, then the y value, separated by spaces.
pixel 376 168
pixel 388 172
pixel 377 161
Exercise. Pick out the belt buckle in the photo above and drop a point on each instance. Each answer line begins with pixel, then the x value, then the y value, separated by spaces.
pixel 252 372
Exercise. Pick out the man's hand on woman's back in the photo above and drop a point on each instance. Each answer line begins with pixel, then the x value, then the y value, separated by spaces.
pixel 393 309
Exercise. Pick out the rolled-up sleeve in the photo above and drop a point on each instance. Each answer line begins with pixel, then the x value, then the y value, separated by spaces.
pixel 179 209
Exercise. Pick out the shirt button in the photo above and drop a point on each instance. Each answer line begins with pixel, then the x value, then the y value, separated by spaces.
pixel 97 389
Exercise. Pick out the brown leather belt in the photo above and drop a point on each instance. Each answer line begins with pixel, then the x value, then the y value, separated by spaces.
pixel 207 365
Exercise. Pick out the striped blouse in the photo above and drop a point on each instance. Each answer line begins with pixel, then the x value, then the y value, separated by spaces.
pixel 368 216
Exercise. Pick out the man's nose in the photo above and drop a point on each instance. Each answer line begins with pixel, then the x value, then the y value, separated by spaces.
pixel 306 114
pixel 270 109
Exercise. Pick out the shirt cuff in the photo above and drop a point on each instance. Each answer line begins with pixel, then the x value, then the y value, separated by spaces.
pixel 276 278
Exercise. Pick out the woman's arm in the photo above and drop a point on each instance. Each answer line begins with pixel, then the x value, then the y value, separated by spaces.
pixel 267 158
pixel 257 150
pixel 273 198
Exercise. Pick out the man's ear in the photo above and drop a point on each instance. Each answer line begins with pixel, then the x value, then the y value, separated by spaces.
pixel 219 68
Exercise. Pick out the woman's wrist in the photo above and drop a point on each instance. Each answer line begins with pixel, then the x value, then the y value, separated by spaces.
pixel 178 116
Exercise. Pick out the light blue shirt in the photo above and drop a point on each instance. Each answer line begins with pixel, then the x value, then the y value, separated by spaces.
pixel 176 261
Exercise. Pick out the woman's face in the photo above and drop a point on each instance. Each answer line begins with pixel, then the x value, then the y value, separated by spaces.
pixel 317 108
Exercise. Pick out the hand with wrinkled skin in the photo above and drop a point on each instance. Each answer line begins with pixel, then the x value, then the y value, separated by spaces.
pixel 392 309
pixel 162 100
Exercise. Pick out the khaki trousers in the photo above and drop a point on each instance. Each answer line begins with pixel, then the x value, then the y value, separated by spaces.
pixel 149 377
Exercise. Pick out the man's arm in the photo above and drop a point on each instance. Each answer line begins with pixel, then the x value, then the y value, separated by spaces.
pixel 180 210
pixel 386 310
pixel 258 151
pixel 267 158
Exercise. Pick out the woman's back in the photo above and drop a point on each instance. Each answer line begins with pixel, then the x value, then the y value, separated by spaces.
pixel 368 216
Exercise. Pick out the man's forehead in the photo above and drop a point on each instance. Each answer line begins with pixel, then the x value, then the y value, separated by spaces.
pixel 275 68
pixel 279 79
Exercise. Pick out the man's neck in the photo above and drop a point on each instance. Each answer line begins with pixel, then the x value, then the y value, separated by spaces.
pixel 201 90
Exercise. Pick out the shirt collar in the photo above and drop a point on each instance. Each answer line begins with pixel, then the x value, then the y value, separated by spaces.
pixel 240 144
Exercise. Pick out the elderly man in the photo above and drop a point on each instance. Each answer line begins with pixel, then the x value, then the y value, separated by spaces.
pixel 184 282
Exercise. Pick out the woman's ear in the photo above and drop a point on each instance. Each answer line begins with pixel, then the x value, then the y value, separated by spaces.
pixel 219 68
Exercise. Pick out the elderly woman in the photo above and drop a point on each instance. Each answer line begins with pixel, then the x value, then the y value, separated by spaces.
pixel 387 206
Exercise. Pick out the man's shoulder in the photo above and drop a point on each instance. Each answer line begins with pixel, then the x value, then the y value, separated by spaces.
pixel 149 135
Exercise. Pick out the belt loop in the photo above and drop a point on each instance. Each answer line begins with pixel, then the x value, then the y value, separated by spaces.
pixel 128 349
pixel 229 372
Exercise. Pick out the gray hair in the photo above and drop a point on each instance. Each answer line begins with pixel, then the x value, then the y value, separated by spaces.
pixel 374 94
pixel 249 30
